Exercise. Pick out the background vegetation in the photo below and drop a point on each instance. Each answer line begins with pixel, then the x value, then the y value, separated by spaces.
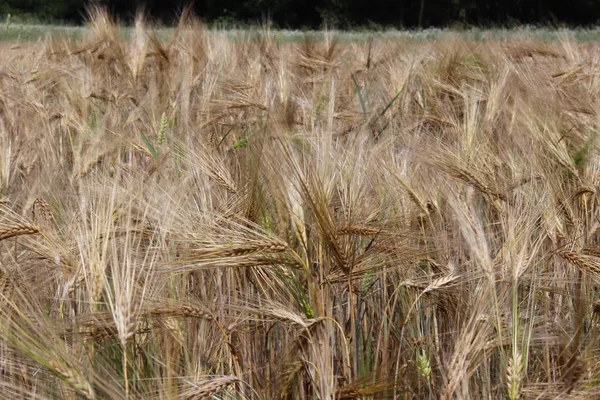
pixel 295 14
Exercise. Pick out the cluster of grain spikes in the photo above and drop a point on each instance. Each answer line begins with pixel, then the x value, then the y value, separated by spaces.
pixel 189 214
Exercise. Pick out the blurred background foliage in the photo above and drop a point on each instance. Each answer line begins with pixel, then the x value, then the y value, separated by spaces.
pixel 299 14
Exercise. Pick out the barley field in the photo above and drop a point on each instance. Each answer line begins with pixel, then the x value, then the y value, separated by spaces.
pixel 193 216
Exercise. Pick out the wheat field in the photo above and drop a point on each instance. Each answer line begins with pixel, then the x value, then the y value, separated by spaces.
pixel 200 217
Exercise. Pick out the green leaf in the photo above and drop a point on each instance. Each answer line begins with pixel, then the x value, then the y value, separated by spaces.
pixel 149 146
pixel 360 96
pixel 388 106
pixel 357 89
pixel 581 156
pixel 387 123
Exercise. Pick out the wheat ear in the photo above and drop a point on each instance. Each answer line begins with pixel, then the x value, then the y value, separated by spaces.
pixel 514 376
pixel 73 378
pixel 207 388
pixel 18 230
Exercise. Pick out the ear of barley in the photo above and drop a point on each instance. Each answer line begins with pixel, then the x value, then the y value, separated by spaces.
pixel 364 388
pixel 180 311
pixel 584 262
pixel 41 213
pixel 440 283
pixel 423 364
pixel 468 177
pixel 357 230
pixel 207 388
pixel 514 376
pixel 73 378
pixel 18 230
pixel 124 319
pixel 162 129
pixel 267 245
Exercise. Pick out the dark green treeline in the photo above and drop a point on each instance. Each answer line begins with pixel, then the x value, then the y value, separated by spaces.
pixel 336 13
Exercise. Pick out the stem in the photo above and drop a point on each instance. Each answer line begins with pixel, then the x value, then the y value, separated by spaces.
pixel 125 372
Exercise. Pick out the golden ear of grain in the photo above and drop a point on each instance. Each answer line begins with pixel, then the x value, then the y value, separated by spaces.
pixel 584 262
pixel 180 311
pixel 238 250
pixel 357 230
pixel 469 178
pixel 440 283
pixel 207 388
pixel 18 230
pixel 371 387
pixel 41 213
